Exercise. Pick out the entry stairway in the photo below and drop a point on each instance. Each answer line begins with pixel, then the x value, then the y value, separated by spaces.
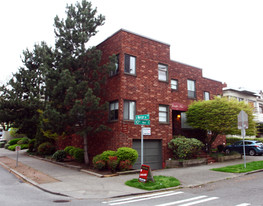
pixel 210 159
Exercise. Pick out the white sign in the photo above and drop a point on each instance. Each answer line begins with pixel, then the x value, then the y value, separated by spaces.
pixel 146 131
pixel 242 120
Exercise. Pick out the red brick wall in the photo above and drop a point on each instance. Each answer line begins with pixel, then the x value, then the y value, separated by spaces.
pixel 146 89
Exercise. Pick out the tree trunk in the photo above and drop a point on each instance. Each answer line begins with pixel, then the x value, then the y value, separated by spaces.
pixel 86 156
pixel 212 138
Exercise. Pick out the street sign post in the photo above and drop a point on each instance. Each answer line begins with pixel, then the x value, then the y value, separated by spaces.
pixel 142 120
pixel 242 123
pixel 142 116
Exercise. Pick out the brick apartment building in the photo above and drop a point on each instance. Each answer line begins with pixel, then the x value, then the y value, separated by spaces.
pixel 147 81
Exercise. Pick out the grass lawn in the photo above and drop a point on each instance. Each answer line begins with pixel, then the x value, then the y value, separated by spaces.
pixel 250 166
pixel 160 183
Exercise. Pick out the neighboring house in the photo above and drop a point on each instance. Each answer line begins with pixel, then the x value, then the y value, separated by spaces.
pixel 147 81
pixel 251 97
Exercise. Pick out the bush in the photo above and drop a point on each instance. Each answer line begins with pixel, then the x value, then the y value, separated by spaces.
pixel 12 147
pixel 24 140
pixel 46 148
pixel 68 148
pixel 71 151
pixel 31 145
pixel 112 163
pixel 96 158
pixel 126 153
pixel 125 165
pixel 185 148
pixel 79 154
pixel 7 145
pixel 106 154
pixel 100 165
pixel 14 141
pixel 59 155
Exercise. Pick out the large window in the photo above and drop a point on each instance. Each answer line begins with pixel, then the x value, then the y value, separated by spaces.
pixel 191 89
pixel 163 113
pixel 114 110
pixel 130 64
pixel 162 72
pixel 129 110
pixel 116 69
pixel 206 96
pixel 174 84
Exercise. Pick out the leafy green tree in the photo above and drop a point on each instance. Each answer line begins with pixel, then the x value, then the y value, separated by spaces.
pixel 219 116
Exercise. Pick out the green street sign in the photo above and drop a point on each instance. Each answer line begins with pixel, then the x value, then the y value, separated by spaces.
pixel 142 122
pixel 142 117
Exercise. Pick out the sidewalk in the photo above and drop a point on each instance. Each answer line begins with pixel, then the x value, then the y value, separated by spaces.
pixel 77 184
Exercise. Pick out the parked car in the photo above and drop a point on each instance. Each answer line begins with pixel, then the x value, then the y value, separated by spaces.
pixel 252 147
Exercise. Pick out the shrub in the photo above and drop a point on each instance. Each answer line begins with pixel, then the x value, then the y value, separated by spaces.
pixel 79 154
pixel 24 140
pixel 125 165
pixel 23 146
pixel 59 155
pixel 112 163
pixel 106 154
pixel 96 158
pixel 46 148
pixel 71 151
pixel 12 147
pixel 6 146
pixel 14 141
pixel 31 145
pixel 100 165
pixel 68 148
pixel 185 148
pixel 126 153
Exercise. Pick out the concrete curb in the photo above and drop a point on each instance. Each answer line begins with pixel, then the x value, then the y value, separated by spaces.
pixel 25 179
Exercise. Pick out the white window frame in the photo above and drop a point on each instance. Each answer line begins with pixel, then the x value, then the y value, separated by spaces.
pixel 163 72
pixel 130 64
pixel 174 84
pixel 113 107
pixel 191 88
pixel 206 96
pixel 129 110
pixel 163 114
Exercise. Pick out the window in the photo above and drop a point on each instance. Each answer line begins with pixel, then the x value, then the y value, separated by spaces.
pixel 191 89
pixel 116 70
pixel 114 111
pixel 206 96
pixel 174 84
pixel 162 72
pixel 130 64
pixel 129 110
pixel 163 113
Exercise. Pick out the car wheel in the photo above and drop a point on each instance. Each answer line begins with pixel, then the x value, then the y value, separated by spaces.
pixel 227 151
pixel 252 152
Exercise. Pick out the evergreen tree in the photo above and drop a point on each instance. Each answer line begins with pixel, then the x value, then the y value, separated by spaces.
pixel 75 99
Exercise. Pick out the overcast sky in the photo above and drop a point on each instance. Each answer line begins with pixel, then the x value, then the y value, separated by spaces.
pixel 222 37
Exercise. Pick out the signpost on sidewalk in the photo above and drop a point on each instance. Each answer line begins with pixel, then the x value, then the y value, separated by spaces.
pixel 142 120
pixel 243 125
pixel 18 148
